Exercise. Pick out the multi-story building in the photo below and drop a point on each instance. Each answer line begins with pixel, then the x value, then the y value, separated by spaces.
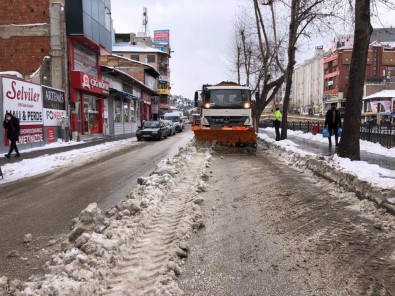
pixel 88 29
pixel 155 52
pixel 307 81
pixel 53 49
pixel 32 42
pixel 142 85
pixel 380 67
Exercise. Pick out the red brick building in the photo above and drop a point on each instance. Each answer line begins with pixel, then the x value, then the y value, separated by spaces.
pixel 379 69
pixel 24 35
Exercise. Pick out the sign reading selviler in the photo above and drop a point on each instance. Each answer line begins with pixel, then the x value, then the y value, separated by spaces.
pixel 24 100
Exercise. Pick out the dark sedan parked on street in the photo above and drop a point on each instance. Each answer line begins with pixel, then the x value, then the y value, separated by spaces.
pixel 152 130
pixel 171 127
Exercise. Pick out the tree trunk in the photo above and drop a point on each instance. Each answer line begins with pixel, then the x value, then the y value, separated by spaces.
pixel 349 142
pixel 290 67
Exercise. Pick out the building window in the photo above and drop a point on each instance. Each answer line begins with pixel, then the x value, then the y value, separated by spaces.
pixel 85 60
pixel 135 57
pixel 150 58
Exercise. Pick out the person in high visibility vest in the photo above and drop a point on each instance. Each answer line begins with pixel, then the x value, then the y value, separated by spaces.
pixel 277 122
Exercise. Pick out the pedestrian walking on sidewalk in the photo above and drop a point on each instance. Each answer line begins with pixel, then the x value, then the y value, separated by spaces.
pixel 277 122
pixel 333 122
pixel 11 124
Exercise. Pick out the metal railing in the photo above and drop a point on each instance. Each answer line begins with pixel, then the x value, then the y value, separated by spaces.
pixel 384 135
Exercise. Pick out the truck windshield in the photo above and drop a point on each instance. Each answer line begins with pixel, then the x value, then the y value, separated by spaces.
pixel 229 98
pixel 173 118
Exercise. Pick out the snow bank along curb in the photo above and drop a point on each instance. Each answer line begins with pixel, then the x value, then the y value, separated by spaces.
pixel 326 167
pixel 99 241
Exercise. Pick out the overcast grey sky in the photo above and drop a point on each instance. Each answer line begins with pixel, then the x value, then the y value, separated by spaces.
pixel 200 36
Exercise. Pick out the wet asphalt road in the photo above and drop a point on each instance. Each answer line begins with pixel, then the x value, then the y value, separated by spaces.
pixel 44 205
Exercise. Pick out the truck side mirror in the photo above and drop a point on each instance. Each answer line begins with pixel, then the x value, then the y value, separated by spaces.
pixel 196 98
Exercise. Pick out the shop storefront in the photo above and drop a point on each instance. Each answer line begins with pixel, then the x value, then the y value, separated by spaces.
pixel 87 94
pixel 40 110
pixel 126 113
pixel 379 107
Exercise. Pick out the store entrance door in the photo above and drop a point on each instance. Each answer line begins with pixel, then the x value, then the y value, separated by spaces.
pixel 91 115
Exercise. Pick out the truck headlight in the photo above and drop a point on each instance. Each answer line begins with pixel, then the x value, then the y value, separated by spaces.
pixel 207 105
pixel 247 105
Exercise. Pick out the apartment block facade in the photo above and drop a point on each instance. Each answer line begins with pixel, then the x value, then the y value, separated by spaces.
pixel 307 90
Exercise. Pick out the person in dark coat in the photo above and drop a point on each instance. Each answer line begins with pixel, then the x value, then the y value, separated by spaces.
pixel 333 122
pixel 11 124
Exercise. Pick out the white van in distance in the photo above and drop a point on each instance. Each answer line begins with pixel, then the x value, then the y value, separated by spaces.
pixel 178 119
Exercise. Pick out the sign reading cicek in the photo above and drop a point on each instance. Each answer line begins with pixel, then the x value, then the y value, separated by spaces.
pixel 89 83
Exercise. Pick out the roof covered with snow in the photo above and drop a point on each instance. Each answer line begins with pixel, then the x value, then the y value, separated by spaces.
pixel 387 93
pixel 12 73
pixel 135 48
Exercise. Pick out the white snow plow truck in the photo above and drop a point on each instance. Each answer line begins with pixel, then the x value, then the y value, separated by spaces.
pixel 226 115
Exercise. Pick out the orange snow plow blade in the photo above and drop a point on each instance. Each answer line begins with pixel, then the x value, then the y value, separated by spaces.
pixel 236 135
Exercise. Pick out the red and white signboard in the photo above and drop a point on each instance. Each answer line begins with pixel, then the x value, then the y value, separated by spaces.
pixel 31 134
pixel 89 83
pixel 162 36
pixel 23 99
pixel 51 134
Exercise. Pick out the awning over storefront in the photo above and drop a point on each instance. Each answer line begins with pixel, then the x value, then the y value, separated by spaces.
pixel 387 93
pixel 124 95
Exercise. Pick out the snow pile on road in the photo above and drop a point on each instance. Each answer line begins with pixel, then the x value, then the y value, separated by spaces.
pixel 366 180
pixel 101 243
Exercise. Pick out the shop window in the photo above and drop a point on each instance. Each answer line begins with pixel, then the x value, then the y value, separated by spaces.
pixel 137 111
pixel 132 111
pixel 117 110
pixel 85 60
pixel 126 112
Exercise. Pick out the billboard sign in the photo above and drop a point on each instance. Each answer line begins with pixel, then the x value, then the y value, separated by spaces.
pixel 162 36
pixel 342 41
pixel 24 100
pixel 54 106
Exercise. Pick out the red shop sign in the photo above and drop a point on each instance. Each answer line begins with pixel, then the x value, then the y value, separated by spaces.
pixel 89 83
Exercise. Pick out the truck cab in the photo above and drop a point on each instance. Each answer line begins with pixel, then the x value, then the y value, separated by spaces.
pixel 228 105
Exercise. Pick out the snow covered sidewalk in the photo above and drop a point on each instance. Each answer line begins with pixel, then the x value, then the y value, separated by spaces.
pixel 369 181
